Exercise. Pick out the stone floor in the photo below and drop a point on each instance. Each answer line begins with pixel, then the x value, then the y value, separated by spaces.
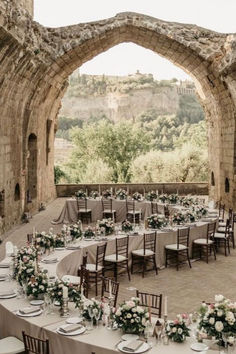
pixel 185 289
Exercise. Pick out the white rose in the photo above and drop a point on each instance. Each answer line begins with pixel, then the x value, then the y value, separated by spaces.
pixel 220 313
pixel 219 326
pixel 140 309
pixel 180 331
pixel 128 315
pixel 211 320
pixel 231 340
pixel 219 298
pixel 132 321
pixel 134 315
pixel 174 329
pixel 144 321
pixel 147 315
pixel 118 312
pixel 134 309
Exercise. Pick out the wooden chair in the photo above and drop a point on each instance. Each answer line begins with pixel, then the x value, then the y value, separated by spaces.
pixel 151 300
pixel 206 244
pixel 154 208
pixel 223 238
pixel 35 345
pixel 30 238
pixel 132 214
pixel 221 212
pixel 84 214
pixel 120 258
pixel 11 345
pixel 166 211
pixel 233 221
pixel 107 210
pixel 222 224
pixel 180 250
pixel 106 290
pixel 147 254
pixel 97 270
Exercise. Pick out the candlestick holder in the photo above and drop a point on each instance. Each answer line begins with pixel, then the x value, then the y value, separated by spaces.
pixel 110 322
pixel 165 336
pixel 65 308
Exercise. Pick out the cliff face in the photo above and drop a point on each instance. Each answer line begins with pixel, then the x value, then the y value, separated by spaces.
pixel 119 106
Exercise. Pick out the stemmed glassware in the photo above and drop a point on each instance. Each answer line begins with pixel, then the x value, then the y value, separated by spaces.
pixel 91 315
pixel 97 316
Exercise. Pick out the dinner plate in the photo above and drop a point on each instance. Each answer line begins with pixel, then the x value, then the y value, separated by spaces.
pixel 36 302
pixel 75 333
pixel 3 277
pixel 130 337
pixel 59 248
pixel 141 349
pixel 74 320
pixel 7 296
pixel 4 265
pixel 34 314
pixel 199 347
pixel 49 261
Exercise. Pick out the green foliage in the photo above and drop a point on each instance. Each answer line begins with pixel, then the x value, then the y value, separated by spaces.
pixel 190 110
pixel 58 174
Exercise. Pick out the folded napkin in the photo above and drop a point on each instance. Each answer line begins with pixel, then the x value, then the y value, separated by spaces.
pixel 3 276
pixel 50 260
pixel 28 310
pixel 133 346
pixel 7 293
pixel 4 265
pixel 72 247
pixel 70 328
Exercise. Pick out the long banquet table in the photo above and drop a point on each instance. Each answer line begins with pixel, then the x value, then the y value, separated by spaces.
pixel 99 341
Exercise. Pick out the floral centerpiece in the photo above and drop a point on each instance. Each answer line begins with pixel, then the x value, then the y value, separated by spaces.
pixel 163 198
pixel 106 194
pixel 177 330
pixel 25 270
pixel 107 225
pixel 89 233
pixel 173 198
pixel 76 230
pixel 218 319
pixel 178 218
pixel 151 196
pixel 127 226
pixel 94 194
pixel 156 221
pixel 80 194
pixel 45 240
pixel 137 196
pixel 199 210
pixel 94 306
pixel 186 201
pixel 59 240
pixel 37 285
pixel 121 194
pixel 131 317
pixel 190 216
pixel 55 291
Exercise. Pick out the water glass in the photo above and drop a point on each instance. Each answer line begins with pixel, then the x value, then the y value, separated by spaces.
pixel 97 316
pixel 91 315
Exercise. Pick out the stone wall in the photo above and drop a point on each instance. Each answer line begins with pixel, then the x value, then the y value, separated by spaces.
pixel 35 65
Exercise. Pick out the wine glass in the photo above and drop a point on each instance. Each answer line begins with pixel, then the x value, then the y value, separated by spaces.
pixel 97 315
pixel 91 315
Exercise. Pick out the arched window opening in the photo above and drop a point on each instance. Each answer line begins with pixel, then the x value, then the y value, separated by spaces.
pixel 17 192
pixel 212 178
pixel 227 185
pixel 32 167
pixel 2 203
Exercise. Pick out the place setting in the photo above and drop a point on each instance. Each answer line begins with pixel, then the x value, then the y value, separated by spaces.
pixel 7 294
pixel 29 311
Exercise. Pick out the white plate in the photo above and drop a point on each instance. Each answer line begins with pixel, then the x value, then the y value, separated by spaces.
pixel 34 314
pixel 49 261
pixel 7 296
pixel 3 278
pixel 36 302
pixel 130 337
pixel 4 265
pixel 141 349
pixel 59 248
pixel 199 347
pixel 73 320
pixel 75 333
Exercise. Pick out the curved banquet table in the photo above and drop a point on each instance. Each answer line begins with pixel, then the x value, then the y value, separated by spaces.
pixel 100 340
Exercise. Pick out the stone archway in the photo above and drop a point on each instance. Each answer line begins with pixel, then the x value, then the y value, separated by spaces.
pixel 36 62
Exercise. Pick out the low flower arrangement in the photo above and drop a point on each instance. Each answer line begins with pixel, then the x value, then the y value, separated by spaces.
pixel 218 319
pixel 106 194
pixel 177 330
pixel 131 317
pixel 186 201
pixel 163 198
pixel 127 226
pixel 55 292
pixel 107 225
pixel 173 198
pixel 59 240
pixel 75 230
pixel 25 270
pixel 199 210
pixel 178 218
pixel 156 221
pixel 80 194
pixel 151 196
pixel 190 216
pixel 137 196
pixel 89 233
pixel 121 194
pixel 94 194
pixel 94 306
pixel 37 285
pixel 27 253
pixel 45 240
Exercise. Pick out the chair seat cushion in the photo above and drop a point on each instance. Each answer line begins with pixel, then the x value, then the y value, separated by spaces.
pixel 134 212
pixel 71 279
pixel 222 224
pixel 203 241
pixel 221 229
pixel 112 258
pixel 11 345
pixel 220 235
pixel 174 246
pixel 141 253
pixel 107 211
pixel 85 210
pixel 92 267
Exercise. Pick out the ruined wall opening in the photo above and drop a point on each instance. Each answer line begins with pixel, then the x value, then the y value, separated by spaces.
pixel 212 179
pixel 32 168
pixel 2 203
pixel 17 192
pixel 227 185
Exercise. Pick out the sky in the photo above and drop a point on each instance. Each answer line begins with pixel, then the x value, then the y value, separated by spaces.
pixel 127 58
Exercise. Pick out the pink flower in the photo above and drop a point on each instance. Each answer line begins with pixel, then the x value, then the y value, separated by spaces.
pixel 176 322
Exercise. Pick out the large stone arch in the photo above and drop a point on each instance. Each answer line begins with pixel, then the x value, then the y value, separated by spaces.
pixel 36 62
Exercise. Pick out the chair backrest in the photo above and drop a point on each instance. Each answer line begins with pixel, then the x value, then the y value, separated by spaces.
pixel 84 280
pixel 35 345
pixel 82 204
pixel 130 205
pixel 101 251
pixel 107 204
pixel 153 301
pixel 9 248
pixel 149 242
pixel 221 211
pixel 30 238
pixel 183 237
pixel 122 247
pixel 114 289
pixel 211 227
pixel 166 211
pixel 154 207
